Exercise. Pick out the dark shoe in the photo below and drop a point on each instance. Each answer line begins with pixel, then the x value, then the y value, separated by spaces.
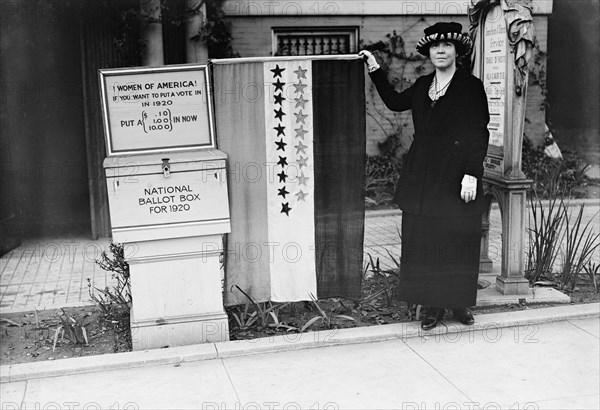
pixel 433 316
pixel 464 316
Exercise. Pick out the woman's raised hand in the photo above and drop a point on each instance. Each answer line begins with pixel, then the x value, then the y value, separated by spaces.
pixel 369 60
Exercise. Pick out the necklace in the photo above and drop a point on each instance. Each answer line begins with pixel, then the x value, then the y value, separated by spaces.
pixel 443 88
pixel 434 93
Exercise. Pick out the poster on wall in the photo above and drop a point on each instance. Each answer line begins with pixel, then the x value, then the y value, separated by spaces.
pixel 156 109
pixel 495 73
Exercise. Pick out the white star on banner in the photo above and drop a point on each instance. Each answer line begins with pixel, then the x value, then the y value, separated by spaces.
pixel 300 148
pixel 300 72
pixel 300 117
pixel 300 87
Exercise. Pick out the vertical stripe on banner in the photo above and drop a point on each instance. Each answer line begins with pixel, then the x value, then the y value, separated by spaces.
pixel 290 186
pixel 340 149
pixel 240 112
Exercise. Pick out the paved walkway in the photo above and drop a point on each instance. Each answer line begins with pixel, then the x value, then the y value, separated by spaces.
pixel 550 365
pixel 382 234
pixel 51 273
pixel 54 273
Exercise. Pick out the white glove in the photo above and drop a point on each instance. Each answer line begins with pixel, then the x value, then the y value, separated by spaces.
pixel 469 188
pixel 369 60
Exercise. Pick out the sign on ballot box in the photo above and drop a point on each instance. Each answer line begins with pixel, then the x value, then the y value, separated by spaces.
pixel 146 205
pixel 156 109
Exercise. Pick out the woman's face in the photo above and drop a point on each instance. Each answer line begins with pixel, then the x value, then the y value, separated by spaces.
pixel 442 54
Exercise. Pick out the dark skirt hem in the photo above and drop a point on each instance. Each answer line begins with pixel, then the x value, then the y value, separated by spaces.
pixel 440 260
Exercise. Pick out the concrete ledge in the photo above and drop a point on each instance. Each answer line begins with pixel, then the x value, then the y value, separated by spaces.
pixel 484 322
pixel 382 212
pixel 175 355
pixel 309 340
pixel 491 297
pixel 400 8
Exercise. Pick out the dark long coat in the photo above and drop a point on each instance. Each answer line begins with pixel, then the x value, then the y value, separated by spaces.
pixel 450 141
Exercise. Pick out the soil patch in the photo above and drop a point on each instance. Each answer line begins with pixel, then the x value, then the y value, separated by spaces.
pixel 29 337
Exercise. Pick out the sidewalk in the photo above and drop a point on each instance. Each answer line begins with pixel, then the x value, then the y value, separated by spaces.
pixel 535 363
pixel 53 273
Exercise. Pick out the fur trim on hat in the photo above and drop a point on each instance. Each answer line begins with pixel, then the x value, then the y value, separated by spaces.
pixel 445 32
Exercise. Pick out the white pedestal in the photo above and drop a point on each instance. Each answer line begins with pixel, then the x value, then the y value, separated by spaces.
pixel 176 291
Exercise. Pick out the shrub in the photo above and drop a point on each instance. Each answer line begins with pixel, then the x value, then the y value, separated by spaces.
pixel 546 229
pixel 554 231
pixel 115 302
pixel 382 172
pixel 552 177
pixel 579 246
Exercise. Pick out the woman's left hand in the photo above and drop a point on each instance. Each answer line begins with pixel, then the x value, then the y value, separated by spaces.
pixel 469 188
pixel 369 60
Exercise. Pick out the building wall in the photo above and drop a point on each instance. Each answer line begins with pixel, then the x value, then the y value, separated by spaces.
pixel 252 36
pixel 42 117
pixel 573 80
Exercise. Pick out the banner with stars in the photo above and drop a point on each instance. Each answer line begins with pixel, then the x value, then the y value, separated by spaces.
pixel 294 133
pixel 290 195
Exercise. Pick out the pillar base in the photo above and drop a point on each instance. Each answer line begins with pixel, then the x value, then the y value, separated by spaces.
pixel 179 331
pixel 177 293
pixel 512 286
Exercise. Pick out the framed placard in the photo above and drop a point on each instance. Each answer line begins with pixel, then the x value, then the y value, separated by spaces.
pixel 157 109
pixel 495 66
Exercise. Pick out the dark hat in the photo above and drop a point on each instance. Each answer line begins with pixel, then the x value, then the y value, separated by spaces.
pixel 447 32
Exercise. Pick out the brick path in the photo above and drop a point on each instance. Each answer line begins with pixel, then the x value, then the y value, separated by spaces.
pixel 53 273
pixel 382 234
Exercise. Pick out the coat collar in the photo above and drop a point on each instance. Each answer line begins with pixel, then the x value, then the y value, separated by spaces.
pixel 455 90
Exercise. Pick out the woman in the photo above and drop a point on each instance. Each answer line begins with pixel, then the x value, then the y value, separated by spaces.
pixel 440 190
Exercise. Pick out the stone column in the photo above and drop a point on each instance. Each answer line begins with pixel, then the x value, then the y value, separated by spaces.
pixel 196 49
pixel 485 263
pixel 503 36
pixel 513 191
pixel 151 15
pixel 512 199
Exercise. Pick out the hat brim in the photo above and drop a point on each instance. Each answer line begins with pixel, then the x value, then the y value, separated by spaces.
pixel 462 42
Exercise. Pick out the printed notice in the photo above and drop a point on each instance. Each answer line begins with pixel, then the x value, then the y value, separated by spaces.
pixel 149 110
pixel 494 73
pixel 165 199
pixel 151 199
